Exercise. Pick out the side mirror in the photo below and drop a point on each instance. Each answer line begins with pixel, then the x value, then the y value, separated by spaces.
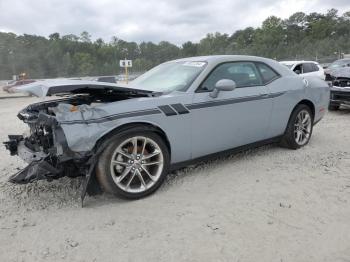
pixel 297 72
pixel 223 85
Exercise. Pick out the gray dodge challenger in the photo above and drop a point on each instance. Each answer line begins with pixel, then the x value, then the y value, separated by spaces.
pixel 125 139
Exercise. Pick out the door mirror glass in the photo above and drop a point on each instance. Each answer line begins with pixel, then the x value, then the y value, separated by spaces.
pixel 297 72
pixel 223 85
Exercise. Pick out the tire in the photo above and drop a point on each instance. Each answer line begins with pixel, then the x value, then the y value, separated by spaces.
pixel 333 107
pixel 297 133
pixel 133 174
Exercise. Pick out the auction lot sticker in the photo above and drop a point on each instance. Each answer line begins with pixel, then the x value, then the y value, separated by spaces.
pixel 195 64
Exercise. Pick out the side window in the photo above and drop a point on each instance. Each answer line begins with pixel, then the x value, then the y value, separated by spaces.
pixel 267 73
pixel 308 68
pixel 315 67
pixel 244 74
pixel 298 69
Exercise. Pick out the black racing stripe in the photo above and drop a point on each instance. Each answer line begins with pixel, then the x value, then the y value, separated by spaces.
pixel 276 94
pixel 231 101
pixel 114 117
pixel 180 108
pixel 167 110
pixel 223 102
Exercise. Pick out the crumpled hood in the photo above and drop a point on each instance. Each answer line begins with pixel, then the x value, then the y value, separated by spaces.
pixel 63 112
pixel 44 88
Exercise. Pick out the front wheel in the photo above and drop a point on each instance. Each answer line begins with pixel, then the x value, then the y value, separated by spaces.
pixel 134 165
pixel 299 129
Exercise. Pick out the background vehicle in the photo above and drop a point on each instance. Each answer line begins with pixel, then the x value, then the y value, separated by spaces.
pixel 178 112
pixel 15 83
pixel 305 68
pixel 108 79
pixel 339 64
pixel 338 75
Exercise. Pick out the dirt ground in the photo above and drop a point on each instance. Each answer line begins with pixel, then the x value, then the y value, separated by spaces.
pixel 267 204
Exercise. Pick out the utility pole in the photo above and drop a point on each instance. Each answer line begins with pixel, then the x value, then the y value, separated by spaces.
pixel 126 73
pixel 12 62
pixel 126 63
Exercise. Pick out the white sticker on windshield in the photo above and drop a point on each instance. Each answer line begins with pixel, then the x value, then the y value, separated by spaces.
pixel 195 64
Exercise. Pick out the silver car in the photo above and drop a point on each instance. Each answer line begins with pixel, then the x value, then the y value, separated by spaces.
pixel 125 139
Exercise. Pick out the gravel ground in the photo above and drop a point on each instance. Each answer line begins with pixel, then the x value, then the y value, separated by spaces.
pixel 266 204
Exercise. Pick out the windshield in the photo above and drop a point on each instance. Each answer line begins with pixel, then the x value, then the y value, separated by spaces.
pixel 340 63
pixel 170 76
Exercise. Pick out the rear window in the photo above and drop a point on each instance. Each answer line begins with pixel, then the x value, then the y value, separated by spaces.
pixel 267 73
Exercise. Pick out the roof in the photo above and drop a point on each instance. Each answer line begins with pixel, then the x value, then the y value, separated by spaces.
pixel 217 59
pixel 222 58
pixel 297 62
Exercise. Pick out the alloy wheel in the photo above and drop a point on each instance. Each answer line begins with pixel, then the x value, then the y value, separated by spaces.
pixel 302 127
pixel 137 164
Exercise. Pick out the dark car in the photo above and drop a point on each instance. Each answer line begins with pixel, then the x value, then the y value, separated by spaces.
pixel 338 74
pixel 107 79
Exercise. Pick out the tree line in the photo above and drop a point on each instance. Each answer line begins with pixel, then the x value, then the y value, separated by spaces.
pixel 301 36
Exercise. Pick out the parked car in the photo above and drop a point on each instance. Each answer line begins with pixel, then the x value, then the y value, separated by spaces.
pixel 338 74
pixel 341 63
pixel 122 78
pixel 126 139
pixel 14 83
pixel 305 68
pixel 108 79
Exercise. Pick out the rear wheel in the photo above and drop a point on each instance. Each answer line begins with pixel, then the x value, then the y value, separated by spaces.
pixel 299 129
pixel 134 165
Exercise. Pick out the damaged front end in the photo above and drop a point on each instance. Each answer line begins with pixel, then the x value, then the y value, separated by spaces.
pixel 48 148
pixel 340 86
pixel 45 148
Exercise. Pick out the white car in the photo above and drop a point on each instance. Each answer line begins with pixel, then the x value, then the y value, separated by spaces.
pixel 305 68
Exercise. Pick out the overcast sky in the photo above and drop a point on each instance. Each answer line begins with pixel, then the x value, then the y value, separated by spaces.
pixel 149 20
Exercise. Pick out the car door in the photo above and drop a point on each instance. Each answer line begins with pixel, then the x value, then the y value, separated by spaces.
pixel 281 96
pixel 233 118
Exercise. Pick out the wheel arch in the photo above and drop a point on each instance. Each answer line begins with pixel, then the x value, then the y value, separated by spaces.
pixel 135 125
pixel 309 103
pixel 306 102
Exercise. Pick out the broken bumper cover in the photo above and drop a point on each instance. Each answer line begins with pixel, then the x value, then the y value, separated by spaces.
pixel 40 165
pixel 36 170
pixel 49 166
pixel 12 144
